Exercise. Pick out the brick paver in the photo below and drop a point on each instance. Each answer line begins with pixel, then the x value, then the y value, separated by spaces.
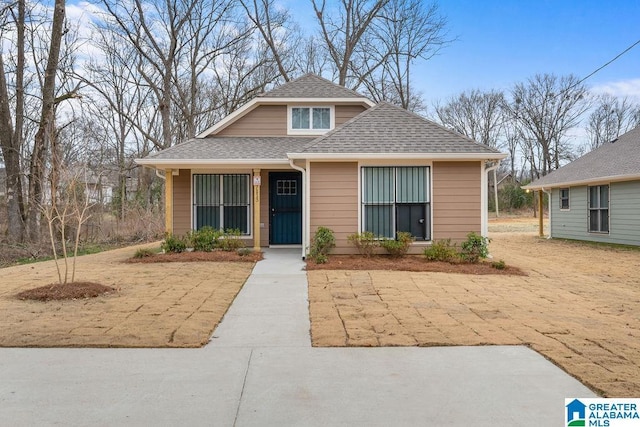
pixel 579 306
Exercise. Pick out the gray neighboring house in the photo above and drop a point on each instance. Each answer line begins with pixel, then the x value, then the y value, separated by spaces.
pixel 597 197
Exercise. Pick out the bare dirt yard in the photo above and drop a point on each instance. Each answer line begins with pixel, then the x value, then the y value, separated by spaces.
pixel 579 306
pixel 176 304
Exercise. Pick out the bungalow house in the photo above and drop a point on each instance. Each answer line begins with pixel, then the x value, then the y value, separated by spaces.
pixel 311 153
pixel 597 197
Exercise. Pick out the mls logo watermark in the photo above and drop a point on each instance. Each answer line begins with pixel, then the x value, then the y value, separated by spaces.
pixel 602 412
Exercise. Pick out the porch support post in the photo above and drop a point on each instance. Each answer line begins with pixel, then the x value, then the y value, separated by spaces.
pixel 256 209
pixel 168 201
pixel 540 212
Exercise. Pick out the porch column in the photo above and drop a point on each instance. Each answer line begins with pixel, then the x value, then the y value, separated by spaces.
pixel 257 181
pixel 168 201
pixel 540 213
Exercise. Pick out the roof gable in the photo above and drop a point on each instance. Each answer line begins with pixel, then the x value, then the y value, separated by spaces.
pixel 306 89
pixel 616 160
pixel 310 86
pixel 386 128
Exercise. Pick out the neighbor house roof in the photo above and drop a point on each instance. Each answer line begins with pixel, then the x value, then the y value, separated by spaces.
pixel 310 86
pixel 203 150
pixel 388 129
pixel 618 160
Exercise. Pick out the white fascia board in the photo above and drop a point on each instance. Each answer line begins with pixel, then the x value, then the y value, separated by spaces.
pixel 255 102
pixel 194 163
pixel 391 156
pixel 599 180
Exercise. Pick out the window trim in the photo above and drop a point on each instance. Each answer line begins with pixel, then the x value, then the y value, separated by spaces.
pixel 394 205
pixel 221 206
pixel 568 198
pixel 599 208
pixel 310 131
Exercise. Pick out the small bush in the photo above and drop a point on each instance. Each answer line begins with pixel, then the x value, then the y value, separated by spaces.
pixel 400 246
pixel 231 240
pixel 175 244
pixel 204 239
pixel 321 245
pixel 144 253
pixel 244 251
pixel 474 248
pixel 442 250
pixel 499 265
pixel 365 242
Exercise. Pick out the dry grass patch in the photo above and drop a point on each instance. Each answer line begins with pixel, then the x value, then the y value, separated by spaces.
pixel 175 304
pixel 579 306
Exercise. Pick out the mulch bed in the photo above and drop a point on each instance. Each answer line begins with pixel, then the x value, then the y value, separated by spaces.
pixel 409 263
pixel 67 291
pixel 214 256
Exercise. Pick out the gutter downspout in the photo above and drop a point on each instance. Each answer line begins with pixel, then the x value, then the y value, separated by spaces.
pixel 484 219
pixel 548 193
pixel 159 175
pixel 305 206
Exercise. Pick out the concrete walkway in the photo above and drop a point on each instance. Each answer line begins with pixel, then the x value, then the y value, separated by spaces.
pixel 260 369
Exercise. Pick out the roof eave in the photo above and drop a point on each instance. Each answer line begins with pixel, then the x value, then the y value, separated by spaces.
pixel 397 156
pixel 612 178
pixel 200 163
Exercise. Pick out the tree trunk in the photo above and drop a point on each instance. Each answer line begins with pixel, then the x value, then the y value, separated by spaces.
pixel 45 125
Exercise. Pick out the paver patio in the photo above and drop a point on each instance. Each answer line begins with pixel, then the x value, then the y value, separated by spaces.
pixel 579 307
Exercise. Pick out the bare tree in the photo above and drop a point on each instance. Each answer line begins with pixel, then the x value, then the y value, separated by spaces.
pixel 274 25
pixel 611 118
pixel 545 108
pixel 343 30
pixel 475 114
pixel 406 31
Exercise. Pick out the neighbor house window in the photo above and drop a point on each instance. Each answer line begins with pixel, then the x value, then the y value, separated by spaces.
pixel 599 209
pixel 310 119
pixel 396 199
pixel 564 198
pixel 221 201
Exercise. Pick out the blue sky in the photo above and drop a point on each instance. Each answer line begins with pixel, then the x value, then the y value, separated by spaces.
pixel 502 42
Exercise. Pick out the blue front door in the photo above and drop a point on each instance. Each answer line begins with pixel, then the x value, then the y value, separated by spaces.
pixel 285 207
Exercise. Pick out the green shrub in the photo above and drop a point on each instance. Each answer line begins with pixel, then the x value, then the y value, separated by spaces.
pixel 398 247
pixel 144 253
pixel 442 250
pixel 499 265
pixel 244 251
pixel 205 239
pixel 321 245
pixel 365 242
pixel 231 240
pixel 475 247
pixel 175 244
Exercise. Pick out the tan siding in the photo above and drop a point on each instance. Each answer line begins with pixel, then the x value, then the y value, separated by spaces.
pixel 347 112
pixel 456 199
pixel 182 202
pixel 265 120
pixel 334 201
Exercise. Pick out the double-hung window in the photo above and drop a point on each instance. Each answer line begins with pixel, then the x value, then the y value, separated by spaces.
pixel 221 201
pixel 396 199
pixel 564 199
pixel 599 209
pixel 310 119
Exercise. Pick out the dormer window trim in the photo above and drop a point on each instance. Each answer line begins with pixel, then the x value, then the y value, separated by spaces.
pixel 310 130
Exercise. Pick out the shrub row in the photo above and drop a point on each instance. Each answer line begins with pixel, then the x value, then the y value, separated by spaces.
pixel 206 239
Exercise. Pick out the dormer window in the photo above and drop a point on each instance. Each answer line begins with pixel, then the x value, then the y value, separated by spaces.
pixel 310 120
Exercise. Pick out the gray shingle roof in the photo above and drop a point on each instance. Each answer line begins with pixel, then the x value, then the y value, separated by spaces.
pixel 237 148
pixel 613 160
pixel 310 86
pixel 386 128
